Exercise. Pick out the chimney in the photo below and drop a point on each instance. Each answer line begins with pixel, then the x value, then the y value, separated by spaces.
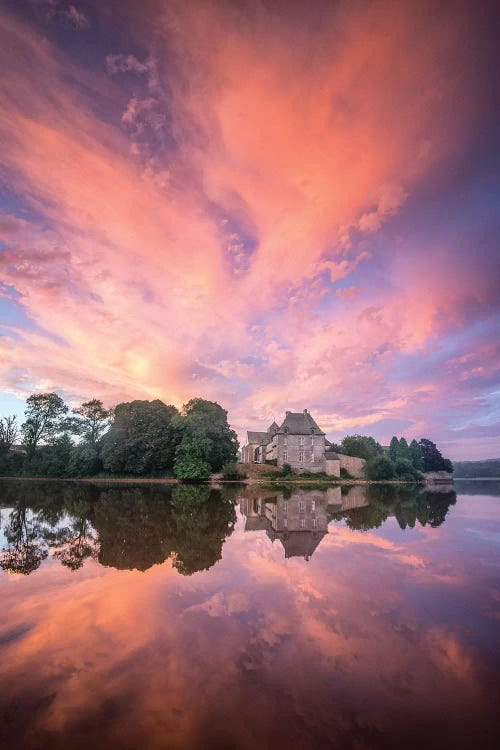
pixel 287 413
pixel 305 411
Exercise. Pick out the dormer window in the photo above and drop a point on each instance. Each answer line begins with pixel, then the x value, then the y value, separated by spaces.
pixel 286 430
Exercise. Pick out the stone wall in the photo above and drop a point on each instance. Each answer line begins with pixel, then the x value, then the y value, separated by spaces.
pixel 438 477
pixel 333 467
pixel 355 466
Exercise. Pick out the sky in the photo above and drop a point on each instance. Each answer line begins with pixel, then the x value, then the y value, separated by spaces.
pixel 274 205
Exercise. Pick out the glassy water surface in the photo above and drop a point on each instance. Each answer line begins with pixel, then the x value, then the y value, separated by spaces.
pixel 146 616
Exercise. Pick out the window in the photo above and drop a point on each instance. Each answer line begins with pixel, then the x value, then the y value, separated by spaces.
pixel 312 457
pixel 285 455
pixel 285 506
pixel 302 506
pixel 302 523
pixel 312 441
pixel 285 441
pixel 285 523
pixel 301 441
pixel 301 456
pixel 314 523
pixel 313 505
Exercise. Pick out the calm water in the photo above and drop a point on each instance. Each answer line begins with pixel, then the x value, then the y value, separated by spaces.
pixel 137 616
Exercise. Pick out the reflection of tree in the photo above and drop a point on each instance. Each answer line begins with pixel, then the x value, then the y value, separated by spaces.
pixel 203 521
pixel 77 542
pixel 439 505
pixel 134 526
pixel 26 548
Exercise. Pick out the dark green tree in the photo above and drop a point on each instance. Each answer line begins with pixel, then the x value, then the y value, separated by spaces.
pixel 403 469
pixel 403 450
pixel 361 446
pixel 393 448
pixel 379 467
pixel 416 456
pixel 44 413
pixel 90 422
pixel 141 440
pixel 52 460
pixel 432 458
pixel 204 429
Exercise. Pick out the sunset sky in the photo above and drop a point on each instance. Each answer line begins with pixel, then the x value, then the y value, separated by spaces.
pixel 267 203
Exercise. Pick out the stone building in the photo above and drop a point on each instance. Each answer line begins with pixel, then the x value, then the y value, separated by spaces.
pixel 300 442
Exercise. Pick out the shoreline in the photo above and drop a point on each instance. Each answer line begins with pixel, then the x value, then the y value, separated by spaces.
pixel 216 481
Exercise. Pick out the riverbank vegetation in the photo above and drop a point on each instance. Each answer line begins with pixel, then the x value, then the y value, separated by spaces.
pixel 134 439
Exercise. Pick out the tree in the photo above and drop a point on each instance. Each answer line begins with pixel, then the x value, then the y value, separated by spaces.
pixel 190 460
pixel 361 446
pixel 205 423
pixel 379 467
pixel 52 460
pixel 432 458
pixel 8 433
pixel 393 448
pixel 44 412
pixel 403 451
pixel 404 470
pixel 141 440
pixel 91 422
pixel 416 456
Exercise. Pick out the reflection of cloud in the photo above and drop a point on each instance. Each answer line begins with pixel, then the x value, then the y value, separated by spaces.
pixel 256 632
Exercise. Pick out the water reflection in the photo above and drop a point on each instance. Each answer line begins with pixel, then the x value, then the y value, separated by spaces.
pixel 137 526
pixel 124 527
pixel 386 638
pixel 299 518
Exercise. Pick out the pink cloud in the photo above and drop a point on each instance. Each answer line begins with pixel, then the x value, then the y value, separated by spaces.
pixel 309 142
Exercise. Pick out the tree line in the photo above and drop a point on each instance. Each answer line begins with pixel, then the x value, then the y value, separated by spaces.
pixel 135 438
pixel 401 461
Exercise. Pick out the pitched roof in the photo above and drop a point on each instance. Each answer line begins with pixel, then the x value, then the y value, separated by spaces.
pixel 258 437
pixel 274 426
pixel 300 423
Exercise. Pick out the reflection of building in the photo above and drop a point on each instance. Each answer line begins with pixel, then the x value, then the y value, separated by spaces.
pixel 300 521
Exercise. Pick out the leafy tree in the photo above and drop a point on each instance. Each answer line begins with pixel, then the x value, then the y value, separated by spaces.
pixel 204 424
pixel 403 450
pixel 84 461
pixel 416 456
pixel 8 433
pixel 403 468
pixel 361 446
pixel 393 448
pixel 432 458
pixel 379 467
pixel 91 422
pixel 190 462
pixel 52 460
pixel 141 439
pixel 44 413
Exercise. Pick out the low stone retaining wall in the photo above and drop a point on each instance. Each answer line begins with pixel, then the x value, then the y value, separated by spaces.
pixel 355 466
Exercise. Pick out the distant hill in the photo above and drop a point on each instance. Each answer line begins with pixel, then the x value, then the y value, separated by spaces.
pixel 471 469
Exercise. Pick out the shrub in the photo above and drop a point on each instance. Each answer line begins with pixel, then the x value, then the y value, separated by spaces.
pixel 232 472
pixel 286 470
pixel 192 468
pixel 379 467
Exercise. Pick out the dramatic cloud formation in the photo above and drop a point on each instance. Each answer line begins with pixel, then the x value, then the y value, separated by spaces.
pixel 265 204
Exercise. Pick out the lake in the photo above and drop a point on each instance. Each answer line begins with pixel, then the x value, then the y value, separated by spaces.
pixel 149 616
